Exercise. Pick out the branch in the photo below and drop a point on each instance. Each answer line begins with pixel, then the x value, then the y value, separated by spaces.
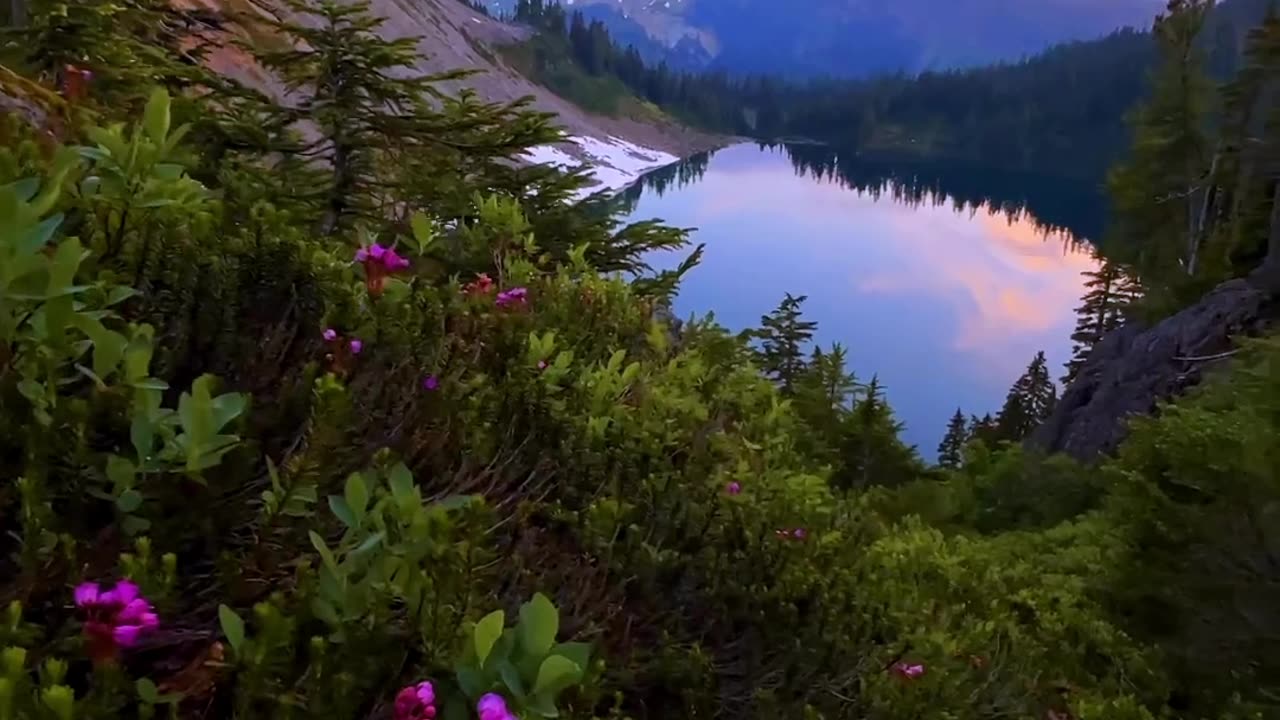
pixel 1205 358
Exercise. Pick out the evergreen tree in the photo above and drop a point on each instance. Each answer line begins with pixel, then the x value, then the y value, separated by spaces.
pixel 983 429
pixel 782 338
pixel 1158 192
pixel 872 453
pixel 823 396
pixel 1028 403
pixel 1110 291
pixel 358 92
pixel 952 445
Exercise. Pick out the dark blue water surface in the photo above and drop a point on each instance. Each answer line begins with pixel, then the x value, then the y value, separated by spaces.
pixel 942 281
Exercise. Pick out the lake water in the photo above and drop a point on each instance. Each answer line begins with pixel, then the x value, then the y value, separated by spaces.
pixel 942 281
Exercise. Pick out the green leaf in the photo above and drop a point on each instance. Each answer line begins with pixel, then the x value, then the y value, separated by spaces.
pixel 341 509
pixel 38 236
pixel 317 542
pixel 556 673
pixel 486 633
pixel 423 231
pixel 121 472
pixel 456 502
pixel 147 691
pixel 357 495
pixel 470 681
pixel 539 624
pixel 232 627
pixel 369 544
pixel 579 653
pixel 543 706
pixel 511 678
pixel 129 501
pixel 156 117
pixel 401 482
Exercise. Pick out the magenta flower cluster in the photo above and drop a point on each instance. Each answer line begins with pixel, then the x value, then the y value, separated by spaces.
pixel 416 702
pixel 514 297
pixel 379 264
pixel 493 707
pixel 387 258
pixel 114 618
pixel 797 534
pixel 733 488
pixel 908 670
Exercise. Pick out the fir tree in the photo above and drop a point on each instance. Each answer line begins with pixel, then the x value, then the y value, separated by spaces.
pixel 983 429
pixel 1110 291
pixel 359 94
pixel 872 452
pixel 782 339
pixel 1158 192
pixel 949 450
pixel 823 396
pixel 1028 403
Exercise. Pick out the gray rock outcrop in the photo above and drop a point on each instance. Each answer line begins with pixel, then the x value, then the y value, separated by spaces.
pixel 1134 368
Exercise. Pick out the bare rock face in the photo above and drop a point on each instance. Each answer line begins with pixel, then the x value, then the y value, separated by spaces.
pixel 1134 368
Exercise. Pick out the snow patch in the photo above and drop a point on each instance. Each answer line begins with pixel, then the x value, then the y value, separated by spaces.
pixel 614 163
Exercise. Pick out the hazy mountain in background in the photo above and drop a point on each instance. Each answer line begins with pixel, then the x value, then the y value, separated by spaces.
pixel 853 37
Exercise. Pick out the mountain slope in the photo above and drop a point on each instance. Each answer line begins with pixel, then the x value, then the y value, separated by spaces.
pixel 454 36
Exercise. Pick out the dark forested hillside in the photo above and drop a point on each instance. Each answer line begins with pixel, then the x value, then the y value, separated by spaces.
pixel 1061 112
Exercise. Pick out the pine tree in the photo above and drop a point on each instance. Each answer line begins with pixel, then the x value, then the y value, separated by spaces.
pixel 1157 194
pixel 949 450
pixel 355 93
pixel 823 396
pixel 1028 403
pixel 782 338
pixel 872 452
pixel 983 429
pixel 1110 291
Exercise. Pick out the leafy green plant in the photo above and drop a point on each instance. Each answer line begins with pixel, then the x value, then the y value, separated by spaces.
pixel 523 662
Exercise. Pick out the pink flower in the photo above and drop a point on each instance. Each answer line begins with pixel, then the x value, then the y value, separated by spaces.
pixel 431 382
pixel 542 364
pixel 910 672
pixel 356 347
pixel 493 707
pixel 733 488
pixel 480 286
pixel 515 296
pixel 114 618
pixel 799 533
pixel 330 335
pixel 416 702
pixel 379 263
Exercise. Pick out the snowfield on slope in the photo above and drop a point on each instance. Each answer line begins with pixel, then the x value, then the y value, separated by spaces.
pixel 614 163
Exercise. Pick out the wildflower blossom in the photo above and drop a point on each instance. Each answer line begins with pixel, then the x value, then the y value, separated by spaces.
pixel 379 264
pixel 416 702
pixel 542 364
pixel 799 533
pixel 480 286
pixel 431 382
pixel 356 346
pixel 330 335
pixel 908 671
pixel 517 296
pixel 75 82
pixel 493 707
pixel 733 488
pixel 114 618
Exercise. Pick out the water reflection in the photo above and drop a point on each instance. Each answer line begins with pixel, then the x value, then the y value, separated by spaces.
pixel 945 296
